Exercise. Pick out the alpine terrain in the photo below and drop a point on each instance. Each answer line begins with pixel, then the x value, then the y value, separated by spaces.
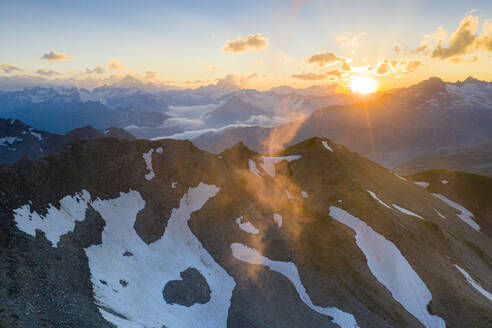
pixel 135 233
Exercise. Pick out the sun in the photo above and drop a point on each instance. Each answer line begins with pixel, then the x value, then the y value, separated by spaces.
pixel 363 84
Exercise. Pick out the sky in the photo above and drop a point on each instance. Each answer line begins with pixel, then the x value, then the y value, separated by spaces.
pixel 254 44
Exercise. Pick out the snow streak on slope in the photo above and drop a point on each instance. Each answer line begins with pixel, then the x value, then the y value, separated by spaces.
pixel 252 167
pixel 422 184
pixel 278 219
pixel 373 195
pixel 151 266
pixel 465 214
pixel 407 212
pixel 268 164
pixel 325 144
pixel 247 226
pixel 391 269
pixel 304 194
pixel 56 222
pixel 289 270
pixel 475 284
pixel 148 162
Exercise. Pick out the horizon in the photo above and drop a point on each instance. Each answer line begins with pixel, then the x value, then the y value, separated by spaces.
pixel 101 43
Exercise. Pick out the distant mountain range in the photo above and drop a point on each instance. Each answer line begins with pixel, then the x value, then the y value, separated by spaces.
pixel 396 127
pixel 472 159
pixel 19 140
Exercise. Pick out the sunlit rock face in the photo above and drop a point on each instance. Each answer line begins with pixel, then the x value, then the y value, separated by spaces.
pixel 153 234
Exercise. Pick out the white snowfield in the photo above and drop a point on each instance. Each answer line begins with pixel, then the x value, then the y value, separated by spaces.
pixel 278 219
pixel 252 167
pixel 391 269
pixel 422 184
pixel 152 266
pixel 247 226
pixel 327 146
pixel 56 222
pixel 407 212
pixel 149 268
pixel 148 162
pixel 269 162
pixel 474 284
pixel 36 134
pixel 464 215
pixel 373 195
pixel 8 140
pixel 289 270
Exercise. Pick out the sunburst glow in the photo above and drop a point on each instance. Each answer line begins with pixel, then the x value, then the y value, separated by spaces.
pixel 363 84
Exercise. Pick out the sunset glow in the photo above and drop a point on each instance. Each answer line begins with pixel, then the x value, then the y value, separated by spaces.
pixel 363 84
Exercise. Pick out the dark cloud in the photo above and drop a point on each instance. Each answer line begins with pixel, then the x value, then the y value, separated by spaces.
pixel 47 72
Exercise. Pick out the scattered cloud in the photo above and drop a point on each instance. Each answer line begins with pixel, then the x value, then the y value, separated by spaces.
pixel 345 67
pixel 115 64
pixel 323 59
pixel 468 39
pixel 96 70
pixel 10 68
pixel 309 76
pixel 349 40
pixel 462 41
pixel 251 42
pixel 151 76
pixel 383 68
pixel 47 72
pixel 400 49
pixel 56 56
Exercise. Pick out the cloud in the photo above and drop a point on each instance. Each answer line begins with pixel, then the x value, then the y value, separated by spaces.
pixel 251 42
pixel 383 68
pixel 349 40
pixel 47 72
pixel 96 70
pixel 399 49
pixel 323 59
pixel 461 42
pixel 115 64
pixel 345 67
pixel 56 56
pixel 465 41
pixel 10 68
pixel 151 76
pixel 309 76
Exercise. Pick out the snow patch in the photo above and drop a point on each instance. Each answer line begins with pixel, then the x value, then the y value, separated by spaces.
pixel 173 184
pixel 464 215
pixel 152 266
pixel 475 284
pixel 247 226
pixel 289 195
pixel 391 269
pixel 289 270
pixel 148 162
pixel 56 222
pixel 373 195
pixel 325 144
pixel 444 181
pixel 8 140
pixel 304 194
pixel 278 219
pixel 422 184
pixel 252 167
pixel 36 134
pixel 400 177
pixel 407 212
pixel 269 162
